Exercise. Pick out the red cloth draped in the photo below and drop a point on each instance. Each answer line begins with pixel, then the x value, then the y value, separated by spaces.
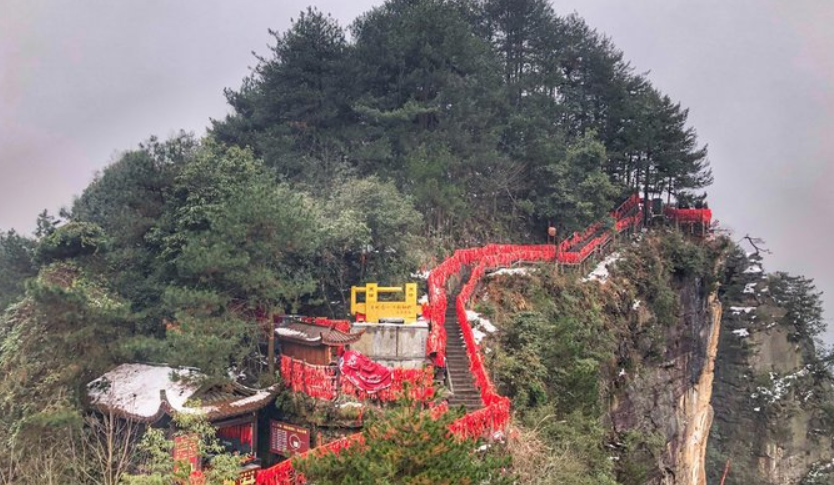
pixel 689 215
pixel 321 381
pixel 364 373
pixel 317 381
pixel 341 325
pixel 241 433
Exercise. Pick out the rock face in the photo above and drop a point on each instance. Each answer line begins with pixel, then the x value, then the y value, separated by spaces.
pixel 670 399
pixel 772 400
pixel 696 411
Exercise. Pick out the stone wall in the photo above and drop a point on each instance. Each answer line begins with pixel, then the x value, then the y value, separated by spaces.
pixel 394 344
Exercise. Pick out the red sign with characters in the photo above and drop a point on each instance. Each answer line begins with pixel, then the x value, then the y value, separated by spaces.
pixel 187 452
pixel 288 439
pixel 248 477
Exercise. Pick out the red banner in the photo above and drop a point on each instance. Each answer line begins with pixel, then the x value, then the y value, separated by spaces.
pixel 187 452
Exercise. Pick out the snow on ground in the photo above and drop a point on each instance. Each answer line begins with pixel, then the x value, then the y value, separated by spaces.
pixel 750 288
pixel 420 275
pixel 737 310
pixel 423 300
pixel 488 326
pixel 135 388
pixel 510 271
pixel 600 273
pixel 479 336
pixel 636 305
pixel 741 333
pixel 480 325
pixel 819 470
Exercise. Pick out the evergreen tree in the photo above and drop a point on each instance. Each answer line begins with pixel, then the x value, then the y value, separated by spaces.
pixel 16 266
pixel 408 446
pixel 294 108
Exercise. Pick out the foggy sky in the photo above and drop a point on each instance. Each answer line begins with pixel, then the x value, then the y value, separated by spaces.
pixel 81 80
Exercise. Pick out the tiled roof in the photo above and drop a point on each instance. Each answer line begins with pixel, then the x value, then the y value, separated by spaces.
pixel 309 334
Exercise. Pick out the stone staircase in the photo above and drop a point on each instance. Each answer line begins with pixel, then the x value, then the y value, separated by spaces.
pixel 464 392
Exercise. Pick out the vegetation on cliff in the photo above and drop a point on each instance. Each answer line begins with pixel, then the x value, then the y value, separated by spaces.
pixel 570 351
pixel 774 390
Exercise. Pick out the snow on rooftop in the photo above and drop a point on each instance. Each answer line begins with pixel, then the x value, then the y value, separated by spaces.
pixel 289 332
pixel 257 397
pixel 135 388
pixel 601 273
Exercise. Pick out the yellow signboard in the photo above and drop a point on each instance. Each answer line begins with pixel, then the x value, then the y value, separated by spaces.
pixel 373 310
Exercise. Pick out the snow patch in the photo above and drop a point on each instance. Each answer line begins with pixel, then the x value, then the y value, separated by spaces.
pixel 754 269
pixel 136 388
pixel 738 310
pixel 741 333
pixel 636 304
pixel 289 332
pixel 480 325
pixel 750 288
pixel 601 272
pixel 779 386
pixel 420 275
pixel 510 271
pixel 257 397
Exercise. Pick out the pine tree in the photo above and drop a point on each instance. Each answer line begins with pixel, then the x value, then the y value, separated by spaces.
pixel 408 447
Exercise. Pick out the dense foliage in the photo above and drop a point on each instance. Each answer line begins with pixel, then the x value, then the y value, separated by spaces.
pixel 408 446
pixel 496 116
pixel 346 158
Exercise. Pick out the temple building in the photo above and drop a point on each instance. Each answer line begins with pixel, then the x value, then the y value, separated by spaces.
pixel 314 343
pixel 151 395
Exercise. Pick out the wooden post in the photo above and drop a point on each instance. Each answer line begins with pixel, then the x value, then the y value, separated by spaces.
pixel 271 346
pixel 726 471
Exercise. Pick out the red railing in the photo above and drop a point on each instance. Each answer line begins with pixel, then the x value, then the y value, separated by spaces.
pixel 689 215
pixel 495 414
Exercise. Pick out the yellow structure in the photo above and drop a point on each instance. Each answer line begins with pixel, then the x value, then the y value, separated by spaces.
pixel 374 310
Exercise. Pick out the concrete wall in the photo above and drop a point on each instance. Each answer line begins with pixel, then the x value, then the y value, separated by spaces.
pixel 394 344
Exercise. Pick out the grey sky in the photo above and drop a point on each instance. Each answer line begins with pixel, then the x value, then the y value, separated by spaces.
pixel 82 79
